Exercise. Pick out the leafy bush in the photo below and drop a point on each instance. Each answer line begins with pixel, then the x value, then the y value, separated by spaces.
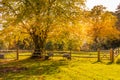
pixel 118 60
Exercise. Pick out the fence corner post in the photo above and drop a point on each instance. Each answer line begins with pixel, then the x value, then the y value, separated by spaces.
pixel 98 50
pixel 111 55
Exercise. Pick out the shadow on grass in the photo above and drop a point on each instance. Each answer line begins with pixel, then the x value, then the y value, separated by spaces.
pixel 109 63
pixel 117 63
pixel 35 69
pixel 97 62
pixel 106 63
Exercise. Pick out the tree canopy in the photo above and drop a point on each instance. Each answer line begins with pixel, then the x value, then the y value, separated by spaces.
pixel 56 24
pixel 37 18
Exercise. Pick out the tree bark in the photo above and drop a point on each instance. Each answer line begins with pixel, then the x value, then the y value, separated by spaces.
pixel 39 46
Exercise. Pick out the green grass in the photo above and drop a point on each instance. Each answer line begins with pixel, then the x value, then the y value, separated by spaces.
pixel 61 69
pixel 13 55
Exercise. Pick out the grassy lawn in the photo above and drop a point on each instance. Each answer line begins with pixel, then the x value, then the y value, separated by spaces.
pixel 60 69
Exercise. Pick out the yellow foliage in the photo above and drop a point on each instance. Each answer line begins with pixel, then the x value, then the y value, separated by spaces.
pixel 103 28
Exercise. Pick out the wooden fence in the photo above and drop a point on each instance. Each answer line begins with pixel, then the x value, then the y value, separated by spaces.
pixel 14 54
pixel 100 54
pixel 108 54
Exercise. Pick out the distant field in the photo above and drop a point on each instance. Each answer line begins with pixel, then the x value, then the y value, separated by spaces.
pixel 60 69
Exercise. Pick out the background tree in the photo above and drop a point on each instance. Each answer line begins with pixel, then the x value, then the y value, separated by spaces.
pixel 118 17
pixel 69 37
pixel 101 26
pixel 116 41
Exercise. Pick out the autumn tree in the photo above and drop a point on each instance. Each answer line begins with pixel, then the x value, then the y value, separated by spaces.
pixel 37 18
pixel 67 38
pixel 118 17
pixel 101 26
pixel 116 41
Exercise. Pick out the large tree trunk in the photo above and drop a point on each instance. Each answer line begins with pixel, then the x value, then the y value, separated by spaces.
pixel 39 46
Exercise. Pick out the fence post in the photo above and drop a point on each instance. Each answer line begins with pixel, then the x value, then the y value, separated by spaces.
pixel 111 55
pixel 118 50
pixel 98 55
pixel 70 55
pixel 17 54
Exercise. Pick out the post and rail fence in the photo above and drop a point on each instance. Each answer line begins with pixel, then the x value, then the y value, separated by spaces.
pixel 108 54
pixel 99 55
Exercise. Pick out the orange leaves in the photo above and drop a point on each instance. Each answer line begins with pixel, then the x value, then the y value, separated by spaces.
pixel 103 27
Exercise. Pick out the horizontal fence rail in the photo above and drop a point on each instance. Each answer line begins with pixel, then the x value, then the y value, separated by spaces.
pixel 7 51
pixel 103 54
pixel 12 54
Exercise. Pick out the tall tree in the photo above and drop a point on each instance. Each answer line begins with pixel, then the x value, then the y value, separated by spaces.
pixel 118 17
pixel 101 25
pixel 38 17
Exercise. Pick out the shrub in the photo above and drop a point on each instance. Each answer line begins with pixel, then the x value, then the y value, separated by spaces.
pixel 118 60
